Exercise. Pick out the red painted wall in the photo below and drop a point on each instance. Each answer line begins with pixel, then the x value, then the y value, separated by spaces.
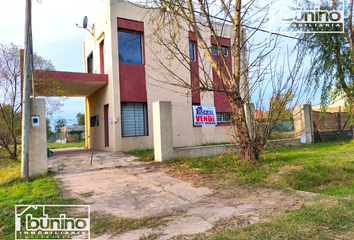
pixel 132 82
pixel 130 25
pixel 106 125
pixel 132 78
pixel 194 71
pixel 102 57
pixel 221 101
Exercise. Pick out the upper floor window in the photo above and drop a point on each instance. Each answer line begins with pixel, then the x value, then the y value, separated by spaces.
pixel 94 121
pixel 224 50
pixel 130 47
pixel 90 63
pixel 192 51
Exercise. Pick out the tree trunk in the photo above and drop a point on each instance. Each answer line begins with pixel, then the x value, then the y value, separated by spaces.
pixel 248 147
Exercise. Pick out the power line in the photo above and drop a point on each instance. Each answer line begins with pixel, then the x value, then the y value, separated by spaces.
pixel 243 25
pixel 254 28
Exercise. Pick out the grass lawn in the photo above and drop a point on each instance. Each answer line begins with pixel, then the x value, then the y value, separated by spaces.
pixel 53 145
pixel 324 168
pixel 14 191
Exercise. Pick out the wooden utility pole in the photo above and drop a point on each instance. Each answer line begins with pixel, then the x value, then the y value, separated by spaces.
pixel 26 92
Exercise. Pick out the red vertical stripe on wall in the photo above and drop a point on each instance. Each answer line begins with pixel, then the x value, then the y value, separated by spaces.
pixel 106 126
pixel 221 101
pixel 102 57
pixel 194 70
pixel 132 77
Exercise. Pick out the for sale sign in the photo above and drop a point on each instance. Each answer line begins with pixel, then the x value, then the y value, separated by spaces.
pixel 204 115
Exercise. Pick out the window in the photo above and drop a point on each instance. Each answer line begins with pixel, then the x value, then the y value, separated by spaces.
pixel 192 51
pixel 223 117
pixel 94 121
pixel 130 47
pixel 215 50
pixel 90 63
pixel 224 50
pixel 134 119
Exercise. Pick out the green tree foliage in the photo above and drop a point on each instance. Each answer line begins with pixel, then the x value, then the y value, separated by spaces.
pixel 332 56
pixel 10 102
pixel 10 129
pixel 278 110
pixel 59 124
pixel 49 129
pixel 10 96
pixel 80 117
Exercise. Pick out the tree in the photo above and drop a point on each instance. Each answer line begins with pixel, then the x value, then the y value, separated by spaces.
pixel 49 129
pixel 239 79
pixel 59 124
pixel 80 117
pixel 278 107
pixel 10 129
pixel 10 95
pixel 332 56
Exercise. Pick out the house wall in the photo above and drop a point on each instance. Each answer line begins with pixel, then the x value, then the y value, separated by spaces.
pixel 184 133
pixel 106 95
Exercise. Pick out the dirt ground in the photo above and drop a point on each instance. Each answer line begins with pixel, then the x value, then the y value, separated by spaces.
pixel 118 184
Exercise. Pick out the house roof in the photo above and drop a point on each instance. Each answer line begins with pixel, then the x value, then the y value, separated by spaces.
pixel 73 128
pixel 70 84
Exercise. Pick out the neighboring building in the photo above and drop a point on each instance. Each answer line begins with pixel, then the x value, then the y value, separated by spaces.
pixel 72 133
pixel 121 48
pixel 337 104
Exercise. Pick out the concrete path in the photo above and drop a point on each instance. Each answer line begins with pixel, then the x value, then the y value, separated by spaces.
pixel 118 184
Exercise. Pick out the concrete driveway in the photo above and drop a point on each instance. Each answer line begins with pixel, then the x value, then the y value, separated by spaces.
pixel 118 184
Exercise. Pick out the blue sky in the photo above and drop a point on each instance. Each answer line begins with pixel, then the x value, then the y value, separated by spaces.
pixel 55 35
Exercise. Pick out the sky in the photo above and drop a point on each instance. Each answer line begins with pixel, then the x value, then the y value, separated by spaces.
pixel 55 36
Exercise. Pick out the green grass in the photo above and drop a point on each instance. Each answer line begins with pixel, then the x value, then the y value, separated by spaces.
pixel 326 168
pixel 80 143
pixel 328 218
pixel 14 191
pixel 107 223
pixel 281 135
pixel 144 154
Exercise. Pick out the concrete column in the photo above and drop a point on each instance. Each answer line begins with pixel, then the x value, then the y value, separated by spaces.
pixel 38 138
pixel 303 123
pixel 250 113
pixel 163 135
